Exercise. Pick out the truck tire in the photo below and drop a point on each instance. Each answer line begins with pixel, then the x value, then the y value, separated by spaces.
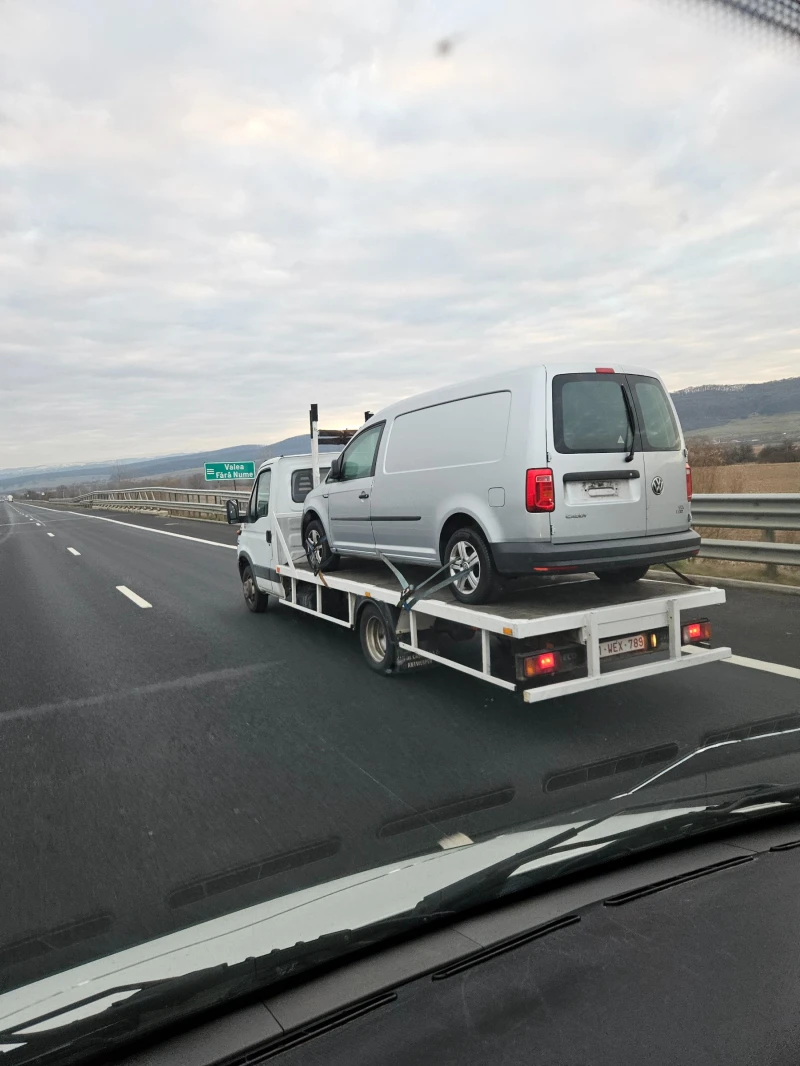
pixel 317 549
pixel 256 600
pixel 626 575
pixel 467 547
pixel 377 642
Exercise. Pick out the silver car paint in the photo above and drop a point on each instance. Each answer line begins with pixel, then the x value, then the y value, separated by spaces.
pixel 408 510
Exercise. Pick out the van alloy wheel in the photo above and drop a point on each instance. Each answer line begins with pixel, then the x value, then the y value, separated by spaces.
pixel 463 556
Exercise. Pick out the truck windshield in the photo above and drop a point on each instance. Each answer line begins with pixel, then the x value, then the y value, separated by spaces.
pixel 589 414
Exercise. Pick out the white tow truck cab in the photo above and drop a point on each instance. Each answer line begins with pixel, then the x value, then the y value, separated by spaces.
pixel 546 637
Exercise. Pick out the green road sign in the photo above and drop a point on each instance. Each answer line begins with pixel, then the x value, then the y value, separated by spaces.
pixel 230 471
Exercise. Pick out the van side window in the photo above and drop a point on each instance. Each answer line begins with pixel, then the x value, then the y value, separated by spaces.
pixel 589 413
pixel 358 459
pixel 259 501
pixel 302 483
pixel 661 433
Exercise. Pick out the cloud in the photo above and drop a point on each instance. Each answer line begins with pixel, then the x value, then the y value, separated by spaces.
pixel 214 214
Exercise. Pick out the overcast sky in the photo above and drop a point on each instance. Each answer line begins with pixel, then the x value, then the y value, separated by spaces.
pixel 214 213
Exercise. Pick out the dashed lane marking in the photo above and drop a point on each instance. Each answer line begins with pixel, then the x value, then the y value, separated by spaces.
pixel 132 596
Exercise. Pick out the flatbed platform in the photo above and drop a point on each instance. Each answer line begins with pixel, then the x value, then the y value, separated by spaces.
pixel 579 610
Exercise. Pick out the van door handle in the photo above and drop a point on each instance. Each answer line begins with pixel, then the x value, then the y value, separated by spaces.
pixel 269 536
pixel 363 495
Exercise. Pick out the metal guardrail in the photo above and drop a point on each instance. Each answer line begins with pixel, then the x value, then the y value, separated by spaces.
pixel 765 511
pixel 192 502
pixel 775 510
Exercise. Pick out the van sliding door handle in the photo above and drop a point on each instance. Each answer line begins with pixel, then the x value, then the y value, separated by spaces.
pixel 363 495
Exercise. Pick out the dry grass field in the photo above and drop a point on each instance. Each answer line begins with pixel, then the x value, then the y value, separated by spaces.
pixel 746 477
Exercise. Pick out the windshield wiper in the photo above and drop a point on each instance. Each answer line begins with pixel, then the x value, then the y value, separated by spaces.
pixel 631 423
pixel 720 811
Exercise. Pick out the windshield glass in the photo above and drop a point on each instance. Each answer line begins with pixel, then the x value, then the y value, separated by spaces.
pixel 399 478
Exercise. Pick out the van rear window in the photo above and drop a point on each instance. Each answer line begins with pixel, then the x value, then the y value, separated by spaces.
pixel 660 432
pixel 589 414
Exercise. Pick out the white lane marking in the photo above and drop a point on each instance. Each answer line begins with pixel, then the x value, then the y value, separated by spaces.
pixel 73 551
pixel 760 664
pixel 51 534
pixel 132 596
pixel 149 529
pixel 38 523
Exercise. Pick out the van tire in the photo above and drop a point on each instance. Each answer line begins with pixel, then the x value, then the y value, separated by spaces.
pixel 377 643
pixel 256 600
pixel 626 575
pixel 326 559
pixel 488 586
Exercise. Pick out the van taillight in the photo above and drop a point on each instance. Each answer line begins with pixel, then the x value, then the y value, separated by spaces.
pixel 540 492
pixel 688 482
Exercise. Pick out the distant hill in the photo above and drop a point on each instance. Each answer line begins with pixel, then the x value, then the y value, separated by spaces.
pixel 758 429
pixel 150 469
pixel 712 406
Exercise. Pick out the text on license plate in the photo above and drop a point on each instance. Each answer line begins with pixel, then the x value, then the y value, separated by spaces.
pixel 622 645
pixel 601 488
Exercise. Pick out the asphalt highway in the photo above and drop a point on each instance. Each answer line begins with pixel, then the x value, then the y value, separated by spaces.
pixel 167 756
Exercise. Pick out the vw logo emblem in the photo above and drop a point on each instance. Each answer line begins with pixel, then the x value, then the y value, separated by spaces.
pixel 657 485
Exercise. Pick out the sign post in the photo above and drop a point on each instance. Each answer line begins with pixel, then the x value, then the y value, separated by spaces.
pixel 230 472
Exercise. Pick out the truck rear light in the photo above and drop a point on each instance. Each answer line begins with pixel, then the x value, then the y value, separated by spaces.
pixel 688 483
pixel 604 370
pixel 544 662
pixel 540 491
pixel 696 632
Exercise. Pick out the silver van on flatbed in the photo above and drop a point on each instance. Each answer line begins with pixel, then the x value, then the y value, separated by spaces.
pixel 544 469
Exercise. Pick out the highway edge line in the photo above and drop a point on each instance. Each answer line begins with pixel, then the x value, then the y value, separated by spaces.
pixel 147 529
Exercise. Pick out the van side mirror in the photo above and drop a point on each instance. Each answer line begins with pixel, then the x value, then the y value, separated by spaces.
pixel 336 469
pixel 232 512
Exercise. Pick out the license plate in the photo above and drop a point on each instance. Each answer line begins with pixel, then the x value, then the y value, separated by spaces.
pixel 601 488
pixel 623 645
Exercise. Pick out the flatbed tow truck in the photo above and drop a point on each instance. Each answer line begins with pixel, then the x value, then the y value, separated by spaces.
pixel 546 637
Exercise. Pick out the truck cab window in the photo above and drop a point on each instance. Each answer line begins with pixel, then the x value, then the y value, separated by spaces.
pixel 259 501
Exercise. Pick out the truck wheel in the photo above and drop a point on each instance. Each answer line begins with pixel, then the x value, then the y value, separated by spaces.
pixel 318 552
pixel 467 550
pixel 256 600
pixel 626 575
pixel 377 643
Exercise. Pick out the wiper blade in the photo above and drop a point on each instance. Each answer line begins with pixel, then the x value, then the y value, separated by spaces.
pixel 485 883
pixel 493 881
pixel 631 423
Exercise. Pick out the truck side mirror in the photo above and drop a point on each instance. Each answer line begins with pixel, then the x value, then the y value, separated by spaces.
pixel 232 512
pixel 336 468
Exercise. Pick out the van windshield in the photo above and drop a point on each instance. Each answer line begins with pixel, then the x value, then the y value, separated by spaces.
pixel 589 414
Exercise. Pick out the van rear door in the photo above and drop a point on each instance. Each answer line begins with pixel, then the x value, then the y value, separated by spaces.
pixel 599 480
pixel 664 456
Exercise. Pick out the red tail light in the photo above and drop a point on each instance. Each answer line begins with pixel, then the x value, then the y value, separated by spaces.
pixel 694 632
pixel 546 662
pixel 604 370
pixel 688 483
pixel 540 490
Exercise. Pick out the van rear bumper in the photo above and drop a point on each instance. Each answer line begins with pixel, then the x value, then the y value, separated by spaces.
pixel 523 556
